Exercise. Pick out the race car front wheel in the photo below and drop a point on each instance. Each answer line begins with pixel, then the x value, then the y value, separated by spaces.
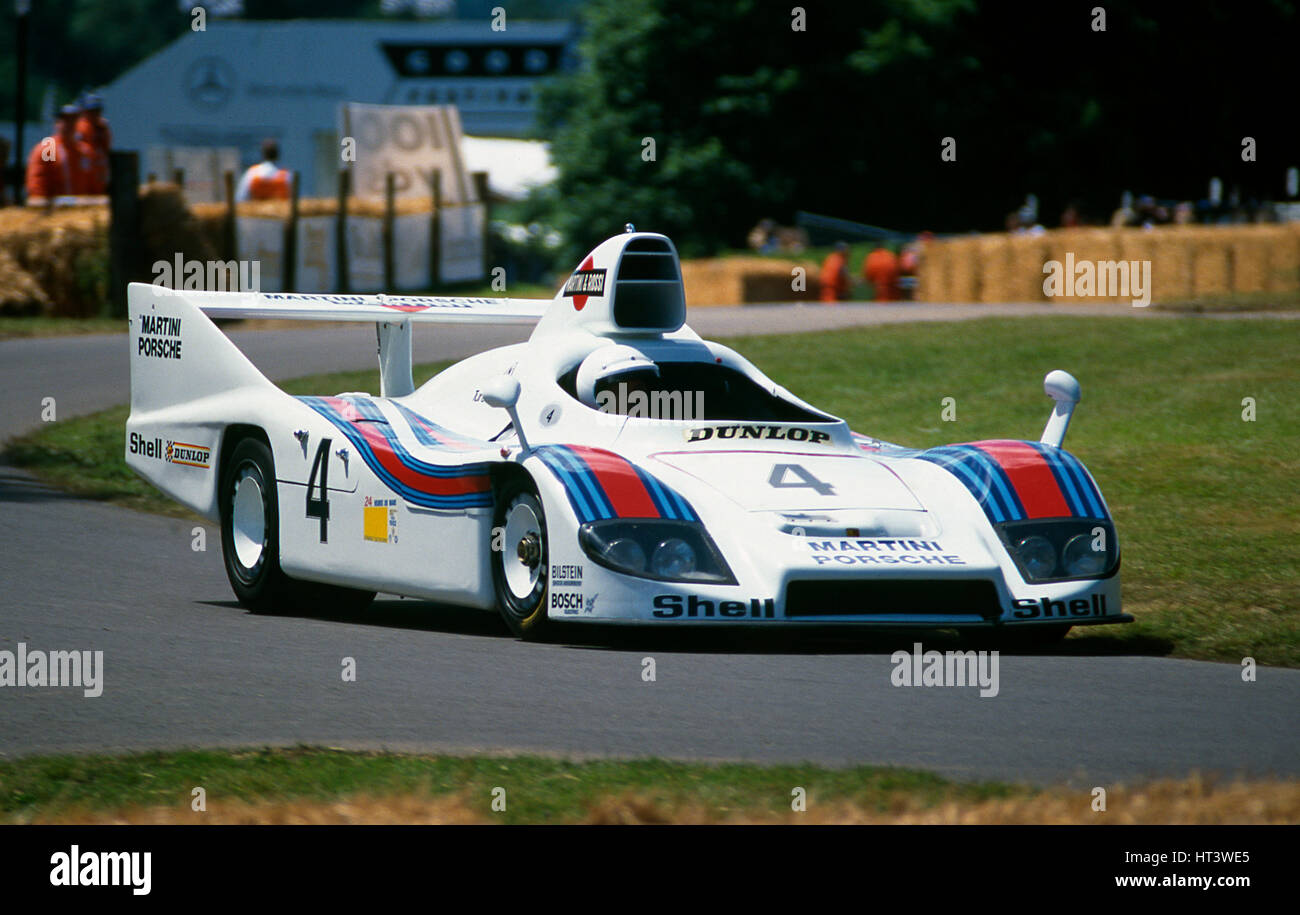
pixel 250 541
pixel 519 559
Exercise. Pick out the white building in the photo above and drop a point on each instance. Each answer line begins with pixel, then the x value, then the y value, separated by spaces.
pixel 239 82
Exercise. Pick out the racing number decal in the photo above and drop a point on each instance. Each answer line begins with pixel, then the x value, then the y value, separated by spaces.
pixel 805 480
pixel 320 508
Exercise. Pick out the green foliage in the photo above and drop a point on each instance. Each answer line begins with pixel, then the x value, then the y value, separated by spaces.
pixel 752 119
pixel 743 110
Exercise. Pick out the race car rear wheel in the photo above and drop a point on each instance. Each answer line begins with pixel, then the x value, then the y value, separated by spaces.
pixel 250 527
pixel 250 542
pixel 519 570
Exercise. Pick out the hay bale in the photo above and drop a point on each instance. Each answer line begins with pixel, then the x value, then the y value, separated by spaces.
pixel 1284 259
pixel 1250 249
pixel 1211 262
pixel 738 280
pixel 932 273
pixel 20 293
pixel 168 228
pixel 1137 247
pixel 1171 263
pixel 1094 246
pixel 993 253
pixel 964 275
pixel 1026 256
pixel 57 260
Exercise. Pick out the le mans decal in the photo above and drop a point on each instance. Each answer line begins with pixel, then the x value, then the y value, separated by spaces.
pixel 379 520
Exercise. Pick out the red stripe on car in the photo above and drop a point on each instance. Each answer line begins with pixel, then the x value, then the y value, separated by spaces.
pixel 438 486
pixel 1031 476
pixel 622 484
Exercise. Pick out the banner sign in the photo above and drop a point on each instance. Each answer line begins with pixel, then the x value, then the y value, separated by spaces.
pixel 408 141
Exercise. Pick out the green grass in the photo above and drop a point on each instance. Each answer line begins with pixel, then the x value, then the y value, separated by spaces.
pixel 1234 302
pixel 1204 503
pixel 35 326
pixel 538 789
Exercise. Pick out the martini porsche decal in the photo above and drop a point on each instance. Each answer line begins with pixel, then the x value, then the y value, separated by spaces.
pixel 1015 481
pixel 418 482
pixel 601 484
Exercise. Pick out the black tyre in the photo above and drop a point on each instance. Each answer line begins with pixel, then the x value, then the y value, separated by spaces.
pixel 519 569
pixel 250 541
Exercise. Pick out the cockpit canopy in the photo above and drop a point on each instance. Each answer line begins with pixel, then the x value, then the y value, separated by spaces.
pixel 694 390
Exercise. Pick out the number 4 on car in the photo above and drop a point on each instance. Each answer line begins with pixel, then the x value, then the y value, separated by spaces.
pixel 614 468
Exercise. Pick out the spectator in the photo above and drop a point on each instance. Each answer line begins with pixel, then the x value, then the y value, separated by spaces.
pixel 880 268
pixel 909 262
pixel 265 180
pixel 835 274
pixel 93 130
pixel 60 165
pixel 762 238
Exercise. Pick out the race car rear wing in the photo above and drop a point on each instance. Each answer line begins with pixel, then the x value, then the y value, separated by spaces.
pixel 377 308
pixel 392 316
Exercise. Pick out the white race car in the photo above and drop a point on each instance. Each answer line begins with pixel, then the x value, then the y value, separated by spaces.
pixel 614 468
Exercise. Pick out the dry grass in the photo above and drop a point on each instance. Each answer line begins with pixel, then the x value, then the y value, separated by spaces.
pixel 1191 801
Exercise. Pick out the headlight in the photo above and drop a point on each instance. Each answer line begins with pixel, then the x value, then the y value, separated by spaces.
pixel 677 550
pixel 1037 556
pixel 624 553
pixel 1081 556
pixel 1061 549
pixel 673 558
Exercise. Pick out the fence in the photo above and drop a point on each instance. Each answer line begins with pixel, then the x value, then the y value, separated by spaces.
pixel 313 245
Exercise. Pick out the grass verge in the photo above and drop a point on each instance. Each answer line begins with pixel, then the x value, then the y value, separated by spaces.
pixel 1203 498
pixel 312 785
pixel 11 326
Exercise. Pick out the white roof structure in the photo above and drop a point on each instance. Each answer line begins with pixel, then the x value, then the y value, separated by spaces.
pixel 239 82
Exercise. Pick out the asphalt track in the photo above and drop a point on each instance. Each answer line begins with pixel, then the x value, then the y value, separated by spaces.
pixel 185 666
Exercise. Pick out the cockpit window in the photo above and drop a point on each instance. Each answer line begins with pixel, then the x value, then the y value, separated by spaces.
pixel 692 391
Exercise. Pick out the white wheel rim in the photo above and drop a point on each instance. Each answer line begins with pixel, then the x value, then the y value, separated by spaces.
pixel 248 522
pixel 521 522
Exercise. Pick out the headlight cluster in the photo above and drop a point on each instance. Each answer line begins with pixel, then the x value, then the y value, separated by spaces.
pixel 1061 549
pixel 657 549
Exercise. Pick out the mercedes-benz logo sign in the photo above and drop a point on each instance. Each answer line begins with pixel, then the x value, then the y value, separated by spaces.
pixel 210 82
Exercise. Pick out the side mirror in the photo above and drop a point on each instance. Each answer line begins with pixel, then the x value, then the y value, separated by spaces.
pixel 1063 388
pixel 503 392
